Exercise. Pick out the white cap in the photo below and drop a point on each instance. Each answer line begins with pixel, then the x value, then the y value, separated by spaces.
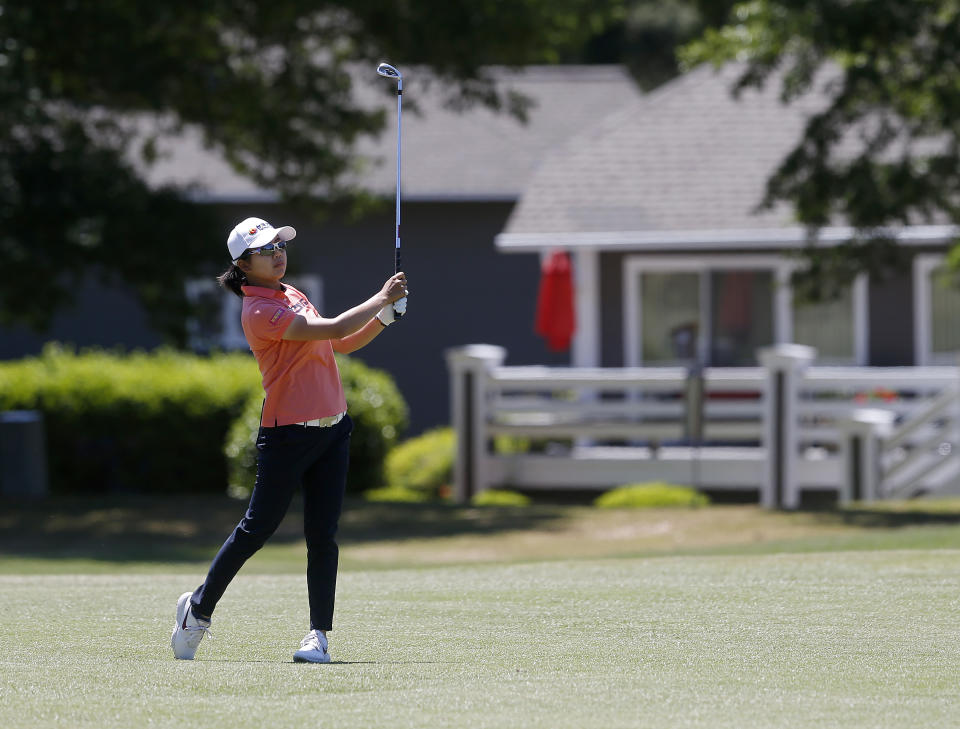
pixel 253 233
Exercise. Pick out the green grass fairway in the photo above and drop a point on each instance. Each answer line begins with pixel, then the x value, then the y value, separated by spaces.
pixel 548 616
pixel 851 639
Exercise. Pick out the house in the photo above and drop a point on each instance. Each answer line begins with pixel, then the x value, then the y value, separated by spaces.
pixel 462 176
pixel 693 362
pixel 674 263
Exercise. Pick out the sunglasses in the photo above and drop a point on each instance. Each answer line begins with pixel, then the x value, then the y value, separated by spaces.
pixel 269 249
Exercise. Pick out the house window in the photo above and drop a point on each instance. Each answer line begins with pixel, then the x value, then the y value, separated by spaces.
pixel 717 315
pixel 936 311
pixel 216 321
pixel 722 309
pixel 670 316
pixel 829 327
pixel 944 313
pixel 741 316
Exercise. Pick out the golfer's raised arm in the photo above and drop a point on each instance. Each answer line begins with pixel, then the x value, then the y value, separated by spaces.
pixel 303 329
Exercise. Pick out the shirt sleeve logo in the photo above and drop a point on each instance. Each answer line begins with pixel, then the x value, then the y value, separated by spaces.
pixel 276 316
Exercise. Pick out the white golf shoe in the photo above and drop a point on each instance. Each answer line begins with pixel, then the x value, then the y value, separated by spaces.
pixel 313 649
pixel 188 631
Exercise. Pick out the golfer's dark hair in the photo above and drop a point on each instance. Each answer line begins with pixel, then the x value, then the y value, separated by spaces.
pixel 234 277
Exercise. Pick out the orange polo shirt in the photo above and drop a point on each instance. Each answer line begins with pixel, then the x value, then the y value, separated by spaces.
pixel 301 379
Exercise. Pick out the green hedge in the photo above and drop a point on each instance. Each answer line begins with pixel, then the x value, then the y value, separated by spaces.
pixel 137 422
pixel 500 497
pixel 423 464
pixel 379 415
pixel 239 448
pixel 158 422
pixel 651 496
pixel 391 494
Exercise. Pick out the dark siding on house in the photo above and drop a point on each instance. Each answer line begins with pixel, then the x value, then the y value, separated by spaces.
pixel 462 292
pixel 611 310
pixel 100 317
pixel 891 321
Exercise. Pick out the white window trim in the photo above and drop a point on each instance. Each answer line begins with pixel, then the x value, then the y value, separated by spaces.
pixel 861 320
pixel 923 266
pixel 781 268
pixel 585 351
pixel 923 354
pixel 231 335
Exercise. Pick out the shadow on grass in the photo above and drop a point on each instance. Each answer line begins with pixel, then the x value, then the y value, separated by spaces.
pixel 124 528
pixel 129 528
pixel 287 663
pixel 892 515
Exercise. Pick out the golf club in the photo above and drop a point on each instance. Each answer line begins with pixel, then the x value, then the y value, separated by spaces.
pixel 385 69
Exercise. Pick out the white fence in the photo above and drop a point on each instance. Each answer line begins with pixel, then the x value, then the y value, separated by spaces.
pixel 777 430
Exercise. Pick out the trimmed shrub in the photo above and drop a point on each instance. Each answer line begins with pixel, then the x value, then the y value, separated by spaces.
pixel 240 448
pixel 508 445
pixel 651 495
pixel 139 422
pixel 423 464
pixel 379 415
pixel 500 497
pixel 395 495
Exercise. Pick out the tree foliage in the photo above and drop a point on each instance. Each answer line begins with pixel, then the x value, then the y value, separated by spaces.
pixel 644 36
pixel 885 150
pixel 267 83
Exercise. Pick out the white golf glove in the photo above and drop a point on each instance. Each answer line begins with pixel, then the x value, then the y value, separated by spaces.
pixel 389 314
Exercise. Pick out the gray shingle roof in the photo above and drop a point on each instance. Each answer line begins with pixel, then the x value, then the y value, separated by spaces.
pixel 685 157
pixel 446 155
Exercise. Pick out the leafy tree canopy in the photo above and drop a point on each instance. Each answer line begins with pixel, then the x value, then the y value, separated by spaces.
pixel 267 82
pixel 893 88
pixel 644 36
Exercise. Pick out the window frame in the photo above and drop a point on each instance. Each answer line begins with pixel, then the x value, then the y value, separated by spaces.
pixel 925 264
pixel 781 268
pixel 231 336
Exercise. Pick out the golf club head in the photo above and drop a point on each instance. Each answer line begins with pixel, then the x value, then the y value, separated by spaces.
pixel 385 69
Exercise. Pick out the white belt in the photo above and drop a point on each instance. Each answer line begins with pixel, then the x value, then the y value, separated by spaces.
pixel 324 422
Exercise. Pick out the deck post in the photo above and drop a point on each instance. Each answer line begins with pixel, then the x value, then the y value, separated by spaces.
pixel 470 368
pixel 785 365
pixel 864 430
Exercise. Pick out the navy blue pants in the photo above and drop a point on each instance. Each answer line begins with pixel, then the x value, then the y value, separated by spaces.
pixel 290 456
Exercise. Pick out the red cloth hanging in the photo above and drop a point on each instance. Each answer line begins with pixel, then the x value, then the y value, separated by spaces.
pixel 556 320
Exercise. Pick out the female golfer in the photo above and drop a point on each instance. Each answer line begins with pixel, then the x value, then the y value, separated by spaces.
pixel 304 432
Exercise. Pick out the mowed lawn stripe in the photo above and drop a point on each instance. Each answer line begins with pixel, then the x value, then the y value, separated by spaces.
pixel 788 640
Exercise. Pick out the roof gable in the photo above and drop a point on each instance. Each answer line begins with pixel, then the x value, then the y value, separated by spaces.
pixel 476 154
pixel 687 157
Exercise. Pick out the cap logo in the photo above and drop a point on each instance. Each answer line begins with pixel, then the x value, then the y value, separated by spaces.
pixel 252 231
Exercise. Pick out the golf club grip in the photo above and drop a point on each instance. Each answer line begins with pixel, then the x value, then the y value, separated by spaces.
pixel 397 314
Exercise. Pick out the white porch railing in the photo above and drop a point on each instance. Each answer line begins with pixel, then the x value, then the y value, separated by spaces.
pixel 776 430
